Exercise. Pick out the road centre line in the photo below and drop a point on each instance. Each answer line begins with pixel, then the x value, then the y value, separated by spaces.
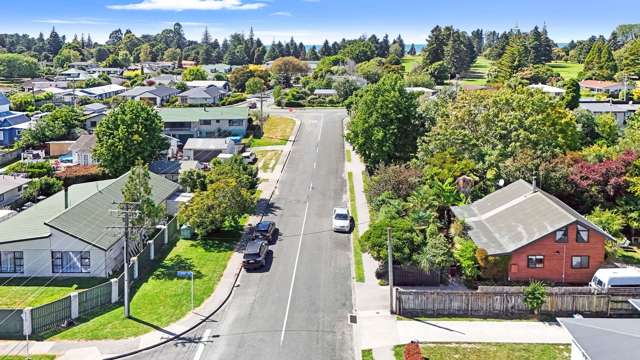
pixel 200 350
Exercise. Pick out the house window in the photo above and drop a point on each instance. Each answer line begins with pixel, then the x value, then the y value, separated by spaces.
pixel 11 262
pixel 582 234
pixel 535 261
pixel 236 122
pixel 93 124
pixel 561 235
pixel 70 261
pixel 580 262
pixel 205 122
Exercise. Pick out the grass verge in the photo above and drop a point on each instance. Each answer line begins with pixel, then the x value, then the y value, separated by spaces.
pixel 357 250
pixel 31 292
pixel 367 354
pixel 267 159
pixel 161 297
pixel 348 155
pixel 276 131
pixel 494 351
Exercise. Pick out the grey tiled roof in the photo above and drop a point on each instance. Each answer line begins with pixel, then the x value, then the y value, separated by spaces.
pixel 3 99
pixel 515 216
pixel 85 143
pixel 605 339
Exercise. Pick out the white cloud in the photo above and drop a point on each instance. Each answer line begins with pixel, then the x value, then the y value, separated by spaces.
pixel 179 5
pixel 81 21
pixel 281 13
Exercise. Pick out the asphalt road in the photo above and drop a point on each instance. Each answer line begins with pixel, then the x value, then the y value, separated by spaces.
pixel 297 308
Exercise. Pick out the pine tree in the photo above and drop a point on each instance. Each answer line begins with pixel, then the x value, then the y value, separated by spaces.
pixel 313 54
pixel 82 42
pixel 335 48
pixel 412 50
pixel 383 47
pixel 434 51
pixel 400 43
pixel 206 37
pixel 54 42
pixel 259 55
pixel 272 53
pixel 325 50
pixel 478 40
pixel 215 45
pixel 547 45
pixel 302 51
pixel 373 39
pixel 515 58
pixel 534 43
pixel 89 44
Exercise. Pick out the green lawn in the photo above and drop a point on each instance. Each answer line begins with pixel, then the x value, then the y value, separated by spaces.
pixel 477 74
pixel 482 351
pixel 268 159
pixel 409 62
pixel 32 357
pixel 162 298
pixel 628 257
pixel 367 354
pixel 277 130
pixel 357 250
pixel 568 70
pixel 30 292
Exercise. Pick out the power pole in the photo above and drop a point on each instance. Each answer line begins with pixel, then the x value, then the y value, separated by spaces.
pixel 390 260
pixel 126 210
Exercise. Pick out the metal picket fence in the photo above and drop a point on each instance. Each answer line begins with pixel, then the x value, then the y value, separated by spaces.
pixel 12 322
pixel 51 315
pixel 94 299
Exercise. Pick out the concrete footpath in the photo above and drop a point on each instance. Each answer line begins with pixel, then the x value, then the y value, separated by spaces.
pixel 99 349
pixel 380 330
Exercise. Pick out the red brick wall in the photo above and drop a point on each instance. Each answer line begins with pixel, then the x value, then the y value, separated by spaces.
pixel 556 255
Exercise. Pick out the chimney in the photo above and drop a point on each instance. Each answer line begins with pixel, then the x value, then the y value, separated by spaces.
pixel 66 197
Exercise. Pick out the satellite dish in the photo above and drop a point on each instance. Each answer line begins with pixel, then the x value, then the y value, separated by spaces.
pixel 500 182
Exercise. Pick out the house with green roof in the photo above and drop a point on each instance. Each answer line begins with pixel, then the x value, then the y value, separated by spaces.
pixel 205 122
pixel 77 239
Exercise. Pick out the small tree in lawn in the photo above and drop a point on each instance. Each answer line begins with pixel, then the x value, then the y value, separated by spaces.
pixel 137 190
pixel 194 73
pixel 535 296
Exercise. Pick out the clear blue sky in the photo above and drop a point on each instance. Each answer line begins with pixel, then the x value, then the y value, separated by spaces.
pixel 313 20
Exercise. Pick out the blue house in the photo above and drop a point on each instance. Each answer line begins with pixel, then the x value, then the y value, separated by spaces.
pixel 11 123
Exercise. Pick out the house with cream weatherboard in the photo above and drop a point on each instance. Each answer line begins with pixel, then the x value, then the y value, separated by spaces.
pixel 68 233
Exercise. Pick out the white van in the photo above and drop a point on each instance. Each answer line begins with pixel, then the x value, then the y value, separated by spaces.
pixel 604 279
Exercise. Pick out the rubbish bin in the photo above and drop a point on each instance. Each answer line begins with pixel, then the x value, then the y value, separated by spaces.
pixel 186 232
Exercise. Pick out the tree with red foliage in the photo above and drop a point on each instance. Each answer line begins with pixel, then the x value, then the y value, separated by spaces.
pixel 603 182
pixel 412 351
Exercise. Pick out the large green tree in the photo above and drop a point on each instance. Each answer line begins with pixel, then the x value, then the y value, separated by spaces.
pixel 385 123
pixel 17 66
pixel 132 131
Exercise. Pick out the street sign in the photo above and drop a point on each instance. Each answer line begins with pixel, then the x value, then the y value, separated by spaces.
pixel 184 274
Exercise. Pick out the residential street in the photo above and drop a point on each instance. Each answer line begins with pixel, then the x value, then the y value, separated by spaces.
pixel 297 308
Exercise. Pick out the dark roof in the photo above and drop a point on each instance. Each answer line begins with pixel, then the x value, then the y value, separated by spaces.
pixel 13 118
pixel 3 99
pixel 515 216
pixel 201 92
pixel 263 225
pixel 95 107
pixel 253 247
pixel 85 143
pixel 162 167
pixel 604 339
pixel 90 219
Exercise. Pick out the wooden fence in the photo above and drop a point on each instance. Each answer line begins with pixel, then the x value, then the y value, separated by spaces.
pixel 411 275
pixel 510 303
pixel 84 303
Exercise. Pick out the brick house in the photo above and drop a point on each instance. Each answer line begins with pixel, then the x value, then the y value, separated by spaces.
pixel 544 237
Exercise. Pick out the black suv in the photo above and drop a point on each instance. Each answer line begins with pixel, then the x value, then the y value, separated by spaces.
pixel 266 230
pixel 255 254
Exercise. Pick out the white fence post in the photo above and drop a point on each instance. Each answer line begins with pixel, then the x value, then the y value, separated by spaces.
pixel 114 291
pixel 166 235
pixel 75 306
pixel 152 250
pixel 135 267
pixel 26 321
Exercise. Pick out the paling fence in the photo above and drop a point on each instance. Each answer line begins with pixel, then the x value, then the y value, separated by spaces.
pixel 16 323
pixel 510 302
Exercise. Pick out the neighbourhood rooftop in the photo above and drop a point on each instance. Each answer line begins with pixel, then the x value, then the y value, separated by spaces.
pixel 8 182
pixel 515 216
pixel 194 114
